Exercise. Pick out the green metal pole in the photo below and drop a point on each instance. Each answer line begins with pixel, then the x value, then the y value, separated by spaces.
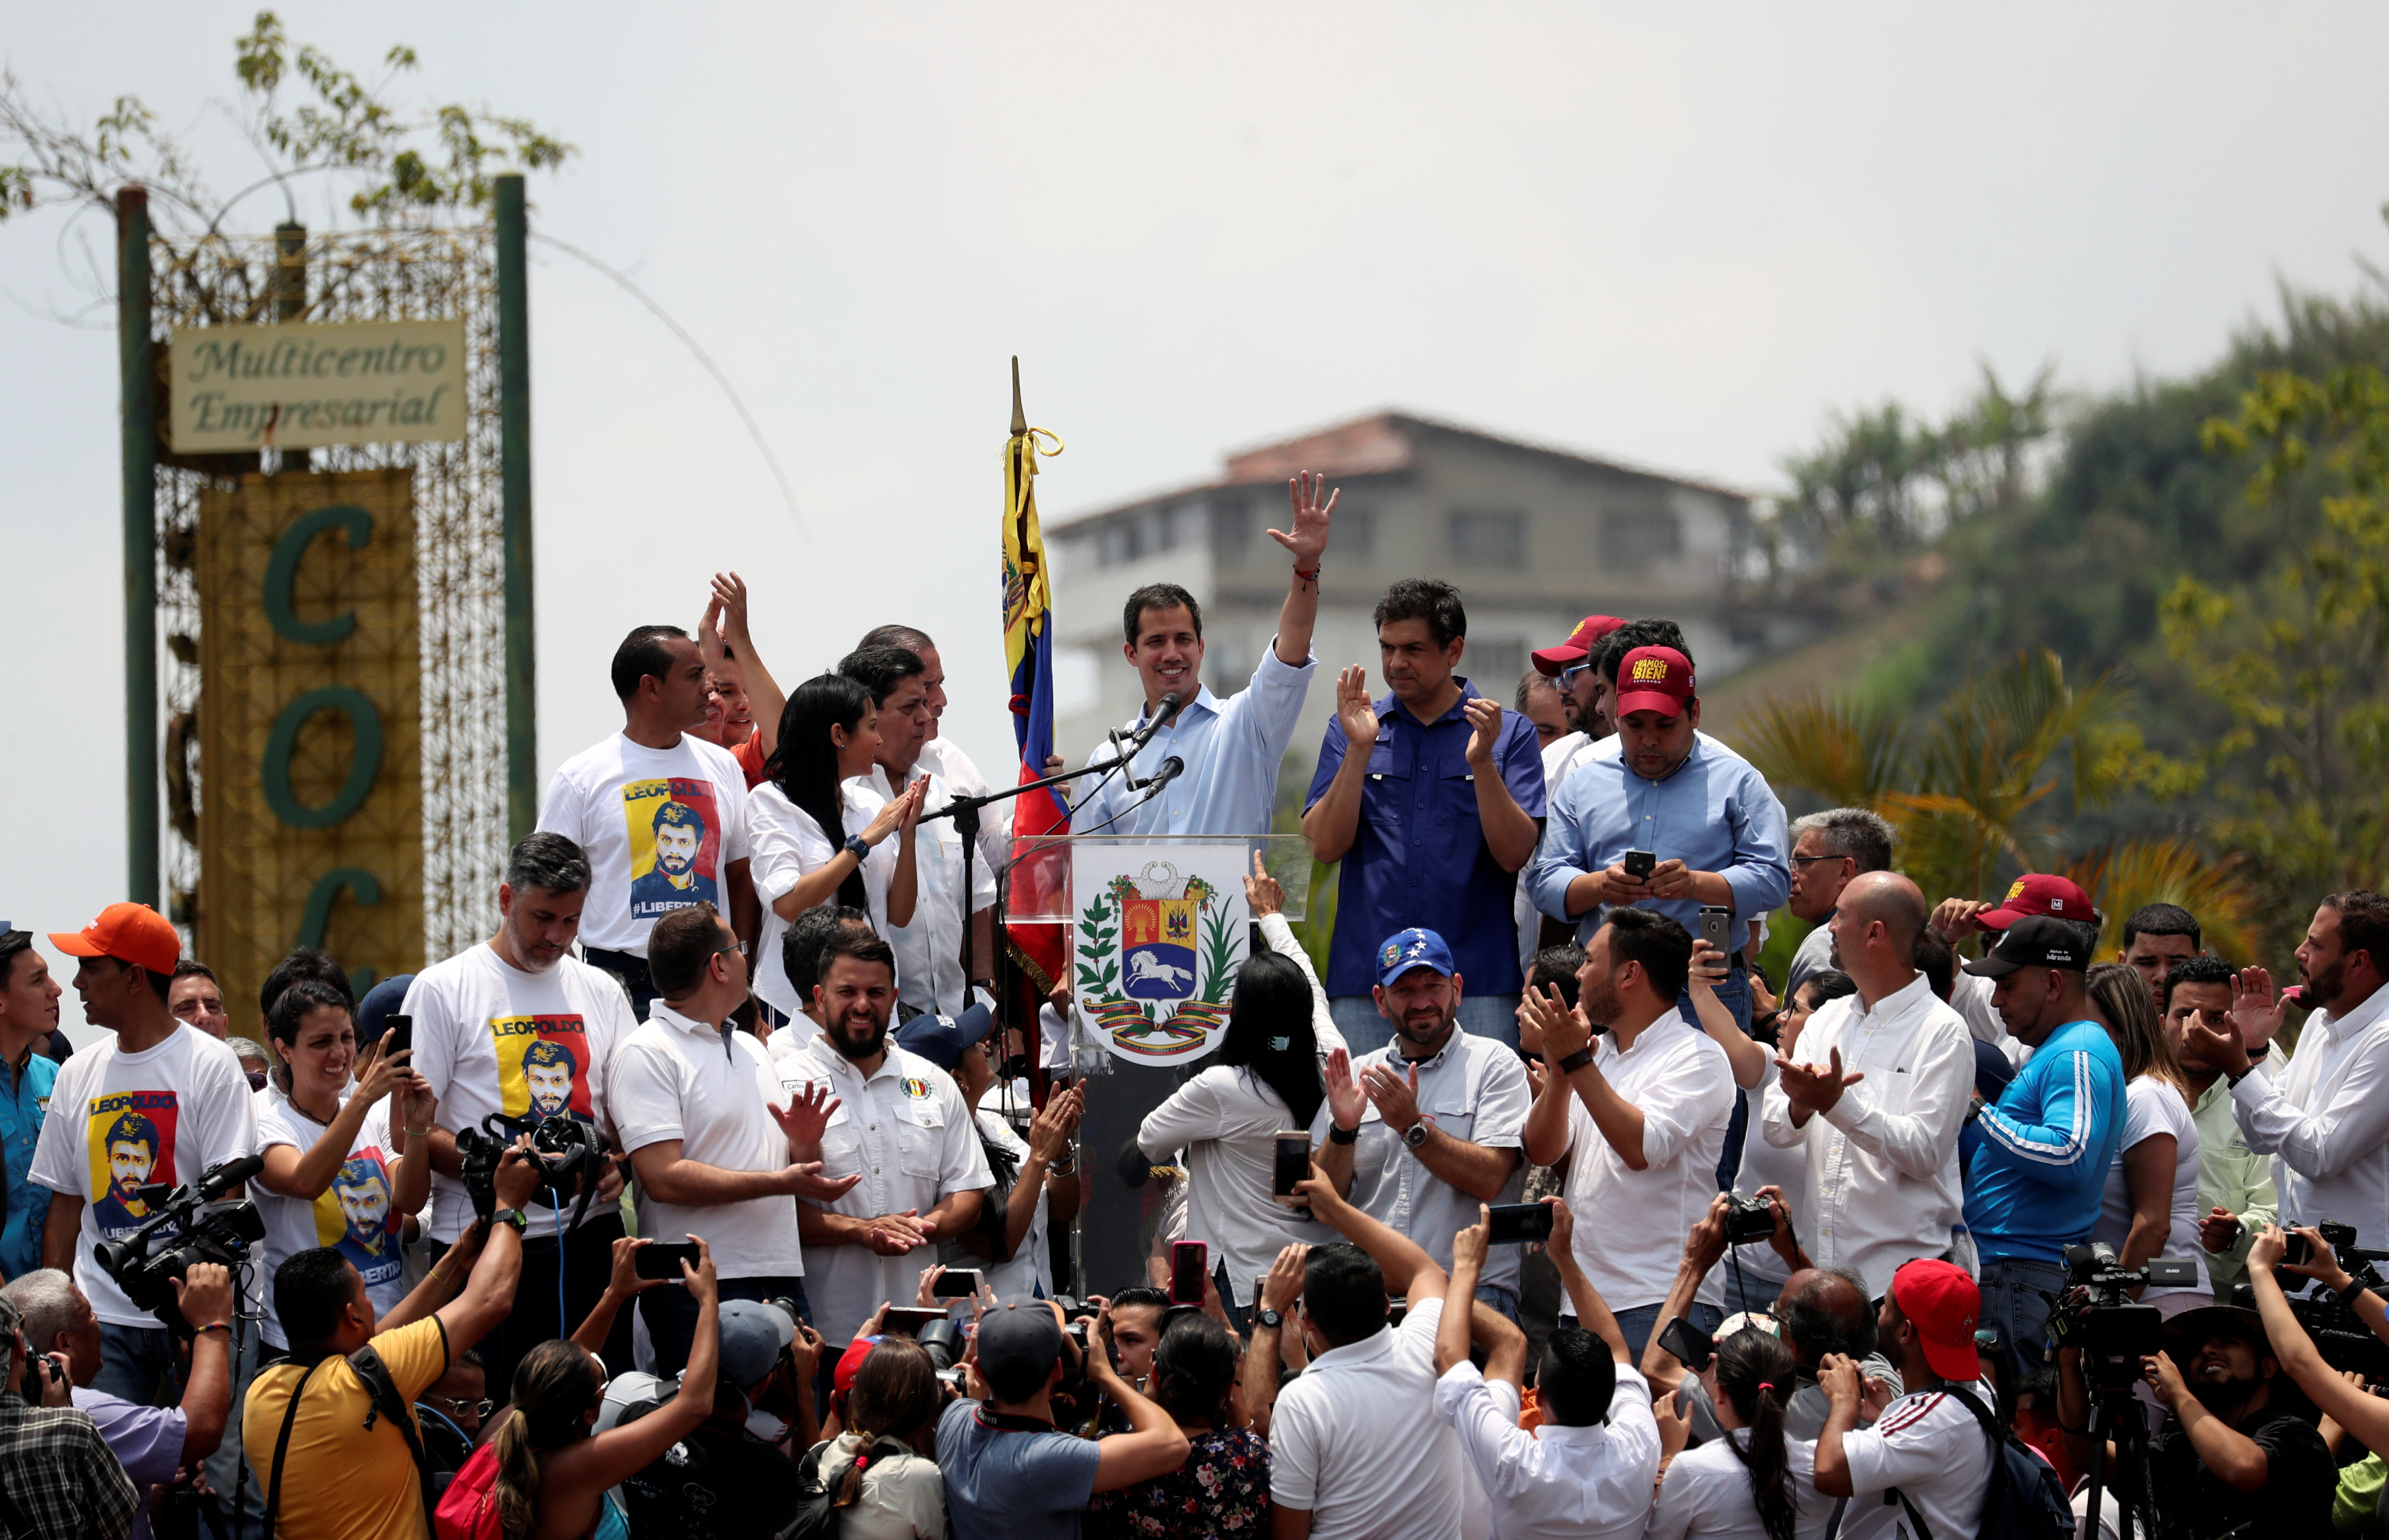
pixel 513 469
pixel 137 374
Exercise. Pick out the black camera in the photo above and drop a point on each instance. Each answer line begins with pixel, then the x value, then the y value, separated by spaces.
pixel 2096 1314
pixel 2339 1333
pixel 942 1341
pixel 1748 1219
pixel 191 1224
pixel 571 1160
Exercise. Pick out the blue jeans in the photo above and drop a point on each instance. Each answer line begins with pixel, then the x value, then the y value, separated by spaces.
pixel 670 1314
pixel 2016 1306
pixel 1493 1016
pixel 1636 1323
pixel 1504 1301
pixel 134 1362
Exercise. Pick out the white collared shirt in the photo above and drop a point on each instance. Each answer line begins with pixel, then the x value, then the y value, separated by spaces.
pixel 711 1088
pixel 1353 1444
pixel 908 1133
pixel 1557 1482
pixel 943 758
pixel 1228 1121
pixel 2325 1120
pixel 1684 1087
pixel 789 844
pixel 1474 1089
pixel 930 951
pixel 1883 1183
pixel 1231 750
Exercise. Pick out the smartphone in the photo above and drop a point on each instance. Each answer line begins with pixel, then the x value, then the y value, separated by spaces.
pixel 1716 924
pixel 957 1283
pixel 401 1033
pixel 2297 1249
pixel 1639 864
pixel 907 1321
pixel 1190 1263
pixel 1688 1343
pixel 1507 1223
pixel 656 1260
pixel 1293 1161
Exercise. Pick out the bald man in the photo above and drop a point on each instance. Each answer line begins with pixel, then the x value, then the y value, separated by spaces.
pixel 1878 1098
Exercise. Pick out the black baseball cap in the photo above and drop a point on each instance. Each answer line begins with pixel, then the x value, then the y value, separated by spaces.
pixel 2036 941
pixel 1026 1335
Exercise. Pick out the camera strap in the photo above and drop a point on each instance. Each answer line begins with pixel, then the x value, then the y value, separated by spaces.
pixel 383 1400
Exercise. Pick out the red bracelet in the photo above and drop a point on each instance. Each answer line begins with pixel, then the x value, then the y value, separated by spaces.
pixel 1310 576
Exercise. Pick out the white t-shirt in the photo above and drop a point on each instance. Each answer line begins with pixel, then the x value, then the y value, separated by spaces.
pixel 492 1039
pixel 712 1089
pixel 789 844
pixel 1032 1267
pixel 2153 1107
pixel 1355 1441
pixel 661 828
pixel 1929 1446
pixel 1707 1494
pixel 1559 1482
pixel 118 1121
pixel 358 1212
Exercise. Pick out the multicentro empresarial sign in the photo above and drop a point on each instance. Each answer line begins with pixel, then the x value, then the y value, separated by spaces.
pixel 301 386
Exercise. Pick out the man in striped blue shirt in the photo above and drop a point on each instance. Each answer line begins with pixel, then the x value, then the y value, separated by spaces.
pixel 2036 1181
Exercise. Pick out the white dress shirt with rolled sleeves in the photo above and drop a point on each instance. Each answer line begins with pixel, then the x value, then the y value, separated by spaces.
pixel 2325 1121
pixel 1684 1088
pixel 1231 750
pixel 1883 1184
pixel 907 1130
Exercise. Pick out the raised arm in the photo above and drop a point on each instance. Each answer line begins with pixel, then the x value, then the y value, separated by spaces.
pixel 1307 544
pixel 1913 1142
pixel 578 1474
pixel 1704 1245
pixel 489 1295
pixel 1511 831
pixel 905 888
pixel 621 1285
pixel 1747 1056
pixel 1591 1311
pixel 1332 820
pixel 1265 900
pixel 763 692
pixel 2353 1123
pixel 1409 1270
pixel 291 1173
pixel 2365 1416
pixel 1152 1446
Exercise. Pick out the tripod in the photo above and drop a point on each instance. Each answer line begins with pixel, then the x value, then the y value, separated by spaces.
pixel 2116 1413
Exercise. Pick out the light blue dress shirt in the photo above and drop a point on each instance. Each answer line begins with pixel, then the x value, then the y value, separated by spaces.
pixel 1715 813
pixel 1231 747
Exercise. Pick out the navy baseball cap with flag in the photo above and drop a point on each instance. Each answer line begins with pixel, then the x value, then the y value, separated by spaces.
pixel 1413 948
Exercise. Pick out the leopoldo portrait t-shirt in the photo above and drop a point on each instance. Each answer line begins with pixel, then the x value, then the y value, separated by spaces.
pixel 661 826
pixel 120 1121
pixel 495 1041
pixel 356 1214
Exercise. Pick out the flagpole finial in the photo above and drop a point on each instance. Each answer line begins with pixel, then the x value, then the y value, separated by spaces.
pixel 1019 417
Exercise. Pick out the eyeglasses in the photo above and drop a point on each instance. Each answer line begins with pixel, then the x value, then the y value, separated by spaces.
pixel 1805 860
pixel 456 1408
pixel 1568 675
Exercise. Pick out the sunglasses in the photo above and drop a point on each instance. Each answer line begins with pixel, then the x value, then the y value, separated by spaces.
pixel 1569 675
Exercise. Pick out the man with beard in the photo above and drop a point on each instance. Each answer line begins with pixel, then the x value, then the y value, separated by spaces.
pixel 717 1156
pixel 2234 1457
pixel 1830 850
pixel 2235 1183
pixel 525 982
pixel 899 1124
pixel 1431 1126
pixel 1573 670
pixel 2324 1118
pixel 1540 703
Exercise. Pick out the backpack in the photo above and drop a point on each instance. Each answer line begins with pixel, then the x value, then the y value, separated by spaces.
pixel 2024 1500
pixel 469 1509
pixel 384 1400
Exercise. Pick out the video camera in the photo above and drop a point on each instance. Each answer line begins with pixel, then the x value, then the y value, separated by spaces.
pixel 2340 1335
pixel 147 1262
pixel 571 1160
pixel 2095 1314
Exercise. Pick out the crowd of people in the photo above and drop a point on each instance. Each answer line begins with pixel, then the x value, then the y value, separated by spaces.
pixel 717 1193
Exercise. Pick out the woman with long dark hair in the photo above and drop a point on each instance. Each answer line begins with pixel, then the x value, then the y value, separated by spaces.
pixel 818 834
pixel 1263 1080
pixel 1224 1488
pixel 2150 1208
pixel 1753 1483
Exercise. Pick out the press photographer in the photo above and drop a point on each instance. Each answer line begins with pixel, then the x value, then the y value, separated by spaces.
pixel 57 1479
pixel 2239 1453
pixel 2106 1341
pixel 2300 1357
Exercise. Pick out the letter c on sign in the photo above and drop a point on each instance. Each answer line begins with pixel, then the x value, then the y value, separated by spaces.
pixel 282 573
pixel 364 762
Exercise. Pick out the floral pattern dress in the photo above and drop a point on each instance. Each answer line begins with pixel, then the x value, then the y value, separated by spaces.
pixel 1222 1493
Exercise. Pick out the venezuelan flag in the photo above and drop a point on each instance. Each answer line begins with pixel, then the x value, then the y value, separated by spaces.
pixel 1029 651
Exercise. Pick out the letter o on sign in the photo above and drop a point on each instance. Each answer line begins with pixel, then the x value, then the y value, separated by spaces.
pixel 364 762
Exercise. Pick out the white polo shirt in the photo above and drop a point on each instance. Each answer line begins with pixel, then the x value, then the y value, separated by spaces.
pixel 1684 1087
pixel 1883 1183
pixel 1708 1493
pixel 1929 1446
pixel 1474 1089
pixel 712 1089
pixel 1353 1440
pixel 1557 1482
pixel 907 1130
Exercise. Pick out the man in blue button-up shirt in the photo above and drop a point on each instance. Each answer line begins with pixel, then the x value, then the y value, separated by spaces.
pixel 29 1012
pixel 1230 748
pixel 1431 821
pixel 1703 810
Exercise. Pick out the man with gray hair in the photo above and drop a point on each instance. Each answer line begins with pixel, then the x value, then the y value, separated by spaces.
pixel 1829 850
pixel 484 1020
pixel 59 1479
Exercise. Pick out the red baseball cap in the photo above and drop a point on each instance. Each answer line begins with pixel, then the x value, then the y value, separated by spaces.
pixel 1942 1304
pixel 1581 641
pixel 850 1363
pixel 2034 894
pixel 130 932
pixel 1653 679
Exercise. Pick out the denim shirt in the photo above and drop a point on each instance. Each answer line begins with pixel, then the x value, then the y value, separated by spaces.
pixel 1418 854
pixel 24 1097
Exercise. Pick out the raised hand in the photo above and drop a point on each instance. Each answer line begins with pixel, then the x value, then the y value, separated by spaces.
pixel 1708 967
pixel 916 796
pixel 2225 1047
pixel 804 1179
pixel 1396 1096
pixel 699 1280
pixel 384 1071
pixel 1468 1247
pixel 1355 713
pixel 1562 1029
pixel 730 605
pixel 1283 1287
pixel 1050 1130
pixel 807 1116
pixel 2256 1011
pixel 1347 1103
pixel 624 1280
pixel 926 1296
pixel 1484 732
pixel 415 1105
pixel 1310 518
pixel 1562 1227
pixel 1814 1088
pixel 1954 917
pixel 1263 894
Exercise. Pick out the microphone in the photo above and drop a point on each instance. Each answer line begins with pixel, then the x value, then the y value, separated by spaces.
pixel 213 1184
pixel 1164 712
pixel 1171 768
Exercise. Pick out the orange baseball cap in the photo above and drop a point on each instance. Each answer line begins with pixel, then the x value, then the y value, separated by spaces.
pixel 130 932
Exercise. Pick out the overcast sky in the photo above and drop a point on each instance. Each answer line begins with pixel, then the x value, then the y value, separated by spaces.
pixel 1678 238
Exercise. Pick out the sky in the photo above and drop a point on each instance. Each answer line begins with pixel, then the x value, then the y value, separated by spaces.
pixel 1679 236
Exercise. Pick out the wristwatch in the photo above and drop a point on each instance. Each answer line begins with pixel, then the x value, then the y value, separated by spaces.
pixel 1415 1135
pixel 1577 1060
pixel 1268 1317
pixel 1342 1135
pixel 510 1216
pixel 855 847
